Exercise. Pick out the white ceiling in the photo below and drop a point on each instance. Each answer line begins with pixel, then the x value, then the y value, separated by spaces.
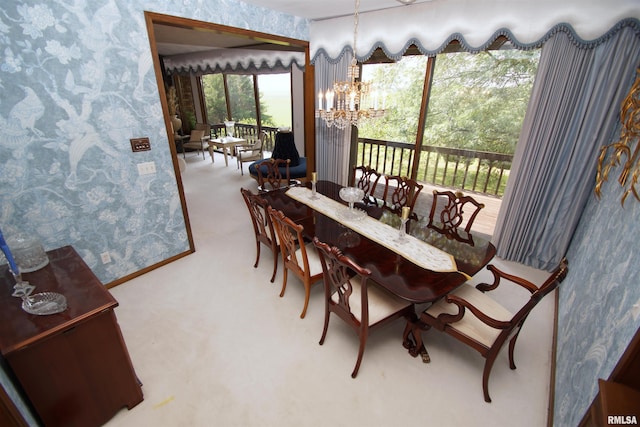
pixel 325 9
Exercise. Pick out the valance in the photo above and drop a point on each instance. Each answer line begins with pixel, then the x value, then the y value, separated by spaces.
pixel 239 61
pixel 431 26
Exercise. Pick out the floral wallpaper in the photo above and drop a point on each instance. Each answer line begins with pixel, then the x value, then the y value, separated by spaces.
pixel 596 316
pixel 77 82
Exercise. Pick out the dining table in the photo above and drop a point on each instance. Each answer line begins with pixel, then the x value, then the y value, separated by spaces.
pixel 409 275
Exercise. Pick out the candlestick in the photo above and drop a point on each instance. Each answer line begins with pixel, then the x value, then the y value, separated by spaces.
pixel 313 177
pixel 405 212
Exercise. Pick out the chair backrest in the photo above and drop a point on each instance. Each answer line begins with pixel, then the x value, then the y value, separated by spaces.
pixel 401 192
pixel 537 293
pixel 197 135
pixel 365 178
pixel 270 174
pixel 289 234
pixel 338 275
pixel 260 219
pixel 447 213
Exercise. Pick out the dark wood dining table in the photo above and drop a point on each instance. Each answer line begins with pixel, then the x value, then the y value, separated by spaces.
pixel 389 269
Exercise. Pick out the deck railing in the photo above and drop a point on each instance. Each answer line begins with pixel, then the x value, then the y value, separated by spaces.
pixel 469 170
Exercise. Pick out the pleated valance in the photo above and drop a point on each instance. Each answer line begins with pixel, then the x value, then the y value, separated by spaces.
pixel 233 60
pixel 431 26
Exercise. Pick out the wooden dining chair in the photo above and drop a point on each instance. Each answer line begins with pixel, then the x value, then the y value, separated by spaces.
pixel 399 192
pixel 355 298
pixel 473 317
pixel 366 178
pixel 447 214
pixel 273 174
pixel 297 256
pixel 262 227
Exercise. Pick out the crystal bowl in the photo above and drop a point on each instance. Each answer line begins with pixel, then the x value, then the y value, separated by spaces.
pixel 351 194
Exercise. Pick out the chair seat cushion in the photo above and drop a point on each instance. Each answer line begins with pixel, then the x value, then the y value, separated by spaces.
pixel 315 267
pixel 470 325
pixel 382 303
pixel 295 172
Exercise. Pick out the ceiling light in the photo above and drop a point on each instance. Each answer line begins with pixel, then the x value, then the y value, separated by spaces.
pixel 345 104
pixel 406 1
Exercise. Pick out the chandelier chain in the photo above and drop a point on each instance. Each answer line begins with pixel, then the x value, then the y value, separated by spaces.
pixel 356 19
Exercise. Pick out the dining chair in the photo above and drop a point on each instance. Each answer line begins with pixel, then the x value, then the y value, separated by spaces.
pixel 355 298
pixel 447 214
pixel 196 141
pixel 366 178
pixel 297 256
pixel 250 152
pixel 399 192
pixel 273 174
pixel 262 227
pixel 471 316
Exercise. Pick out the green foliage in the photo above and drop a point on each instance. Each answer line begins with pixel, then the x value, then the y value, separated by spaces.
pixel 477 101
pixel 241 99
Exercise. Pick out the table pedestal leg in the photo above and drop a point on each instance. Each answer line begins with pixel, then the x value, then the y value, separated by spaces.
pixel 412 341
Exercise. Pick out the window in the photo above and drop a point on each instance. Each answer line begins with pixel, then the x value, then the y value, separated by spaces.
pixel 214 98
pixel 275 99
pixel 274 109
pixel 475 106
pixel 241 99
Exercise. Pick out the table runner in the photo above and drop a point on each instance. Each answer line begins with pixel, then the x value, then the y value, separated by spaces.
pixel 413 249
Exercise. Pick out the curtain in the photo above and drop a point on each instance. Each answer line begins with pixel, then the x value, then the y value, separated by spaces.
pixel 573 111
pixel 332 144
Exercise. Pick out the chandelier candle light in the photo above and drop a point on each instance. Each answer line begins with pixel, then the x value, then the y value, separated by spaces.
pixel 350 101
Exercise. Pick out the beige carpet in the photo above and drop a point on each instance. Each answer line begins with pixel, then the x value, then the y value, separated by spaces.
pixel 214 345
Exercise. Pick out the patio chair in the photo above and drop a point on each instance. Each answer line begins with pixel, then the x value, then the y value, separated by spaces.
pixel 196 141
pixel 250 152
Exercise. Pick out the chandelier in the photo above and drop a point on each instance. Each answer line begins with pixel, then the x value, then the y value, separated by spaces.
pixel 350 101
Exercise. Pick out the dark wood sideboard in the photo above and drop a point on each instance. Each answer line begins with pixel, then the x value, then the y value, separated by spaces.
pixel 73 367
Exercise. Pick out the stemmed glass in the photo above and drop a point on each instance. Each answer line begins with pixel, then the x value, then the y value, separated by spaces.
pixel 352 195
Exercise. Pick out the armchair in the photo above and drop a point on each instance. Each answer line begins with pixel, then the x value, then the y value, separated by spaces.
pixel 250 152
pixel 473 317
pixel 196 141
